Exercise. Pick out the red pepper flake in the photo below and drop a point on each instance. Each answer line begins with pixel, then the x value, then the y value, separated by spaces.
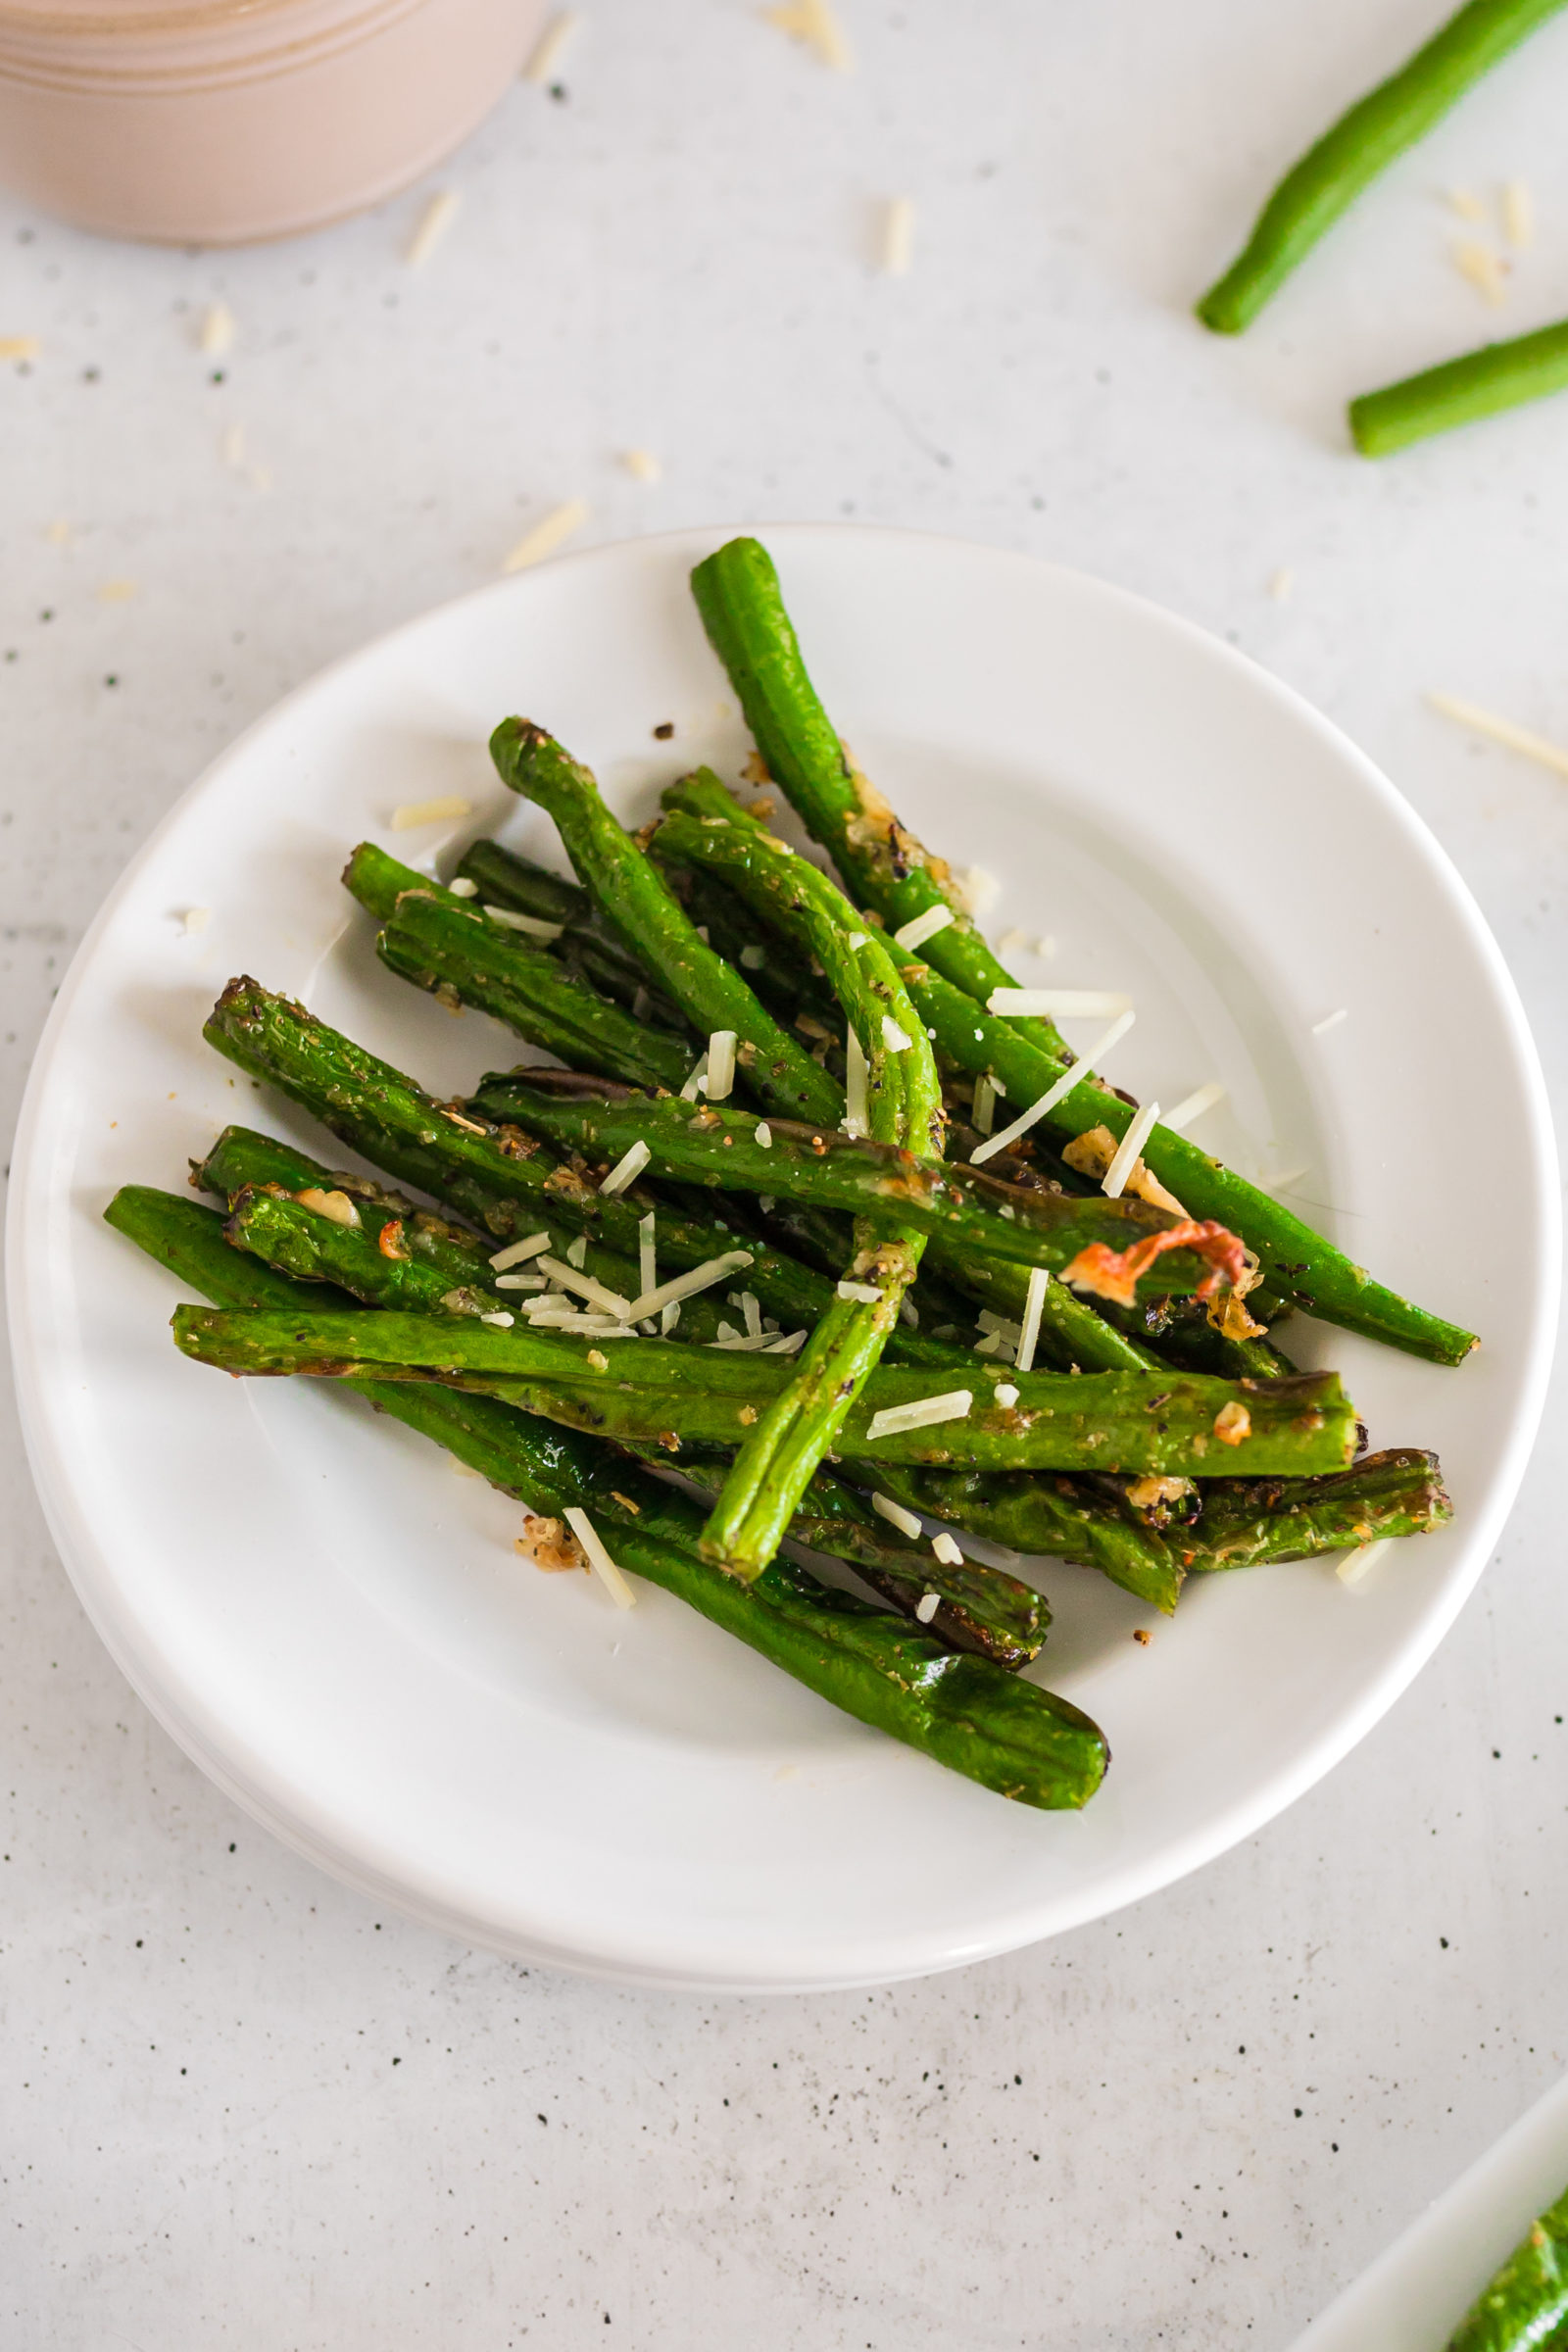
pixel 389 1241
pixel 1114 1274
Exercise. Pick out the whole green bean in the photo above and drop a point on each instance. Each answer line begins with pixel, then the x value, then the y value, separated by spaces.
pixel 964 1712
pixel 1249 1523
pixel 1378 129
pixel 1497 376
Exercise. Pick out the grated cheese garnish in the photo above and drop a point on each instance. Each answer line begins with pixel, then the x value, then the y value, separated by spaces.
pixel 896 1515
pixel 1058 1004
pixel 914 934
pixel 435 222
pixel 1281 583
pixel 1193 1106
pixel 20 347
pixel 551 46
pixel 599 1559
pixel 763 1137
pixel 534 925
pixel 429 812
pixel 1140 1127
pixel 1502 730
pixel 1518 212
pixel 893 1037
pixel 197 919
pixel 577 1252
pixel 1064 1085
pixel 857 1107
pixel 516 1251
pixel 1467 204
pixel 813 22
pixel 553 531
pixel 520 1282
pixel 116 592
pixel 720 1066
pixel 952 1405
pixel 696 1083
pixel 1033 1305
pixel 462 886
pixel 1481 266
pixel 647 1240
pixel 500 1318
pixel 897 237
pixel 947 1551
pixel 668 1319
pixel 865 1293
pixel 1330 1020
pixel 687 1286
pixel 741 1342
pixel 790 1344
pixel 987 1095
pixel 218 330
pixel 1005 1394
pixel 1355 1564
pixel 626 1170
pixel 751 1309
pixel 571 1278
pixel 643 465
pixel 926 1607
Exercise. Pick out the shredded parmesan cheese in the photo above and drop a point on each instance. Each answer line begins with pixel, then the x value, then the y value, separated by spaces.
pixel 696 1083
pixel 607 1302
pixel 1518 212
pixel 1467 204
pixel 534 925
pixel 1355 1564
pixel 720 1066
pixel 1138 1129
pixel 430 812
pixel 926 1607
pixel 551 46
pixel 516 1251
pixel 599 1559
pixel 1502 730
pixel 1005 1394
pixel 1033 1304
pixel 763 1137
pixel 952 1405
pixel 791 1345
pixel 897 237
pixel 814 23
pixel 502 1320
pixel 1330 1020
pixel 626 1170
pixel 1281 583
pixel 987 1095
pixel 197 919
pixel 647 1262
pixel 1064 1085
pixel 1193 1106
pixel 687 1286
pixel 20 347
pixel 643 465
pixel 1481 266
pixel 219 327
pixel 896 1515
pixel 912 935
pixel 1058 1004
pixel 556 528
pixel 460 887
pixel 751 1309
pixel 947 1551
pixel 435 222
pixel 893 1037
pixel 116 592
pixel 866 1292
pixel 857 1108
pixel 520 1282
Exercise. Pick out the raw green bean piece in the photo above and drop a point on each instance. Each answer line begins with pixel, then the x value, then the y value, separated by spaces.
pixel 634 896
pixel 1044 1515
pixel 738 595
pixel 1249 1523
pixel 725 1150
pixel 500 1179
pixel 587 946
pixel 964 1712
pixel 464 956
pixel 1483 382
pixel 1171 1425
pixel 1378 129
pixel 1524 2307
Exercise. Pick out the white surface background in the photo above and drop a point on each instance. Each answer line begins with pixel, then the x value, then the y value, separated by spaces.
pixel 236 2107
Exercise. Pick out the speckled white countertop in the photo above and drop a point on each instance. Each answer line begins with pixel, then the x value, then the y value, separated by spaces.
pixel 239 2109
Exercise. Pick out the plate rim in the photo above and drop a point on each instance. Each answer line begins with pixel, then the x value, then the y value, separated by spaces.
pixel 89 1566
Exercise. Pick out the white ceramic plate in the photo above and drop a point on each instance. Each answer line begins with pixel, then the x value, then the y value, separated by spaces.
pixel 337 1626
pixel 1414 2295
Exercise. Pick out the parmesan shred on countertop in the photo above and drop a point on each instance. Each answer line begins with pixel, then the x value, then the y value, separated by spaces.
pixel 553 531
pixel 814 23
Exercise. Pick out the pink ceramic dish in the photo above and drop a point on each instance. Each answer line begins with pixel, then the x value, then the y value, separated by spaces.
pixel 221 122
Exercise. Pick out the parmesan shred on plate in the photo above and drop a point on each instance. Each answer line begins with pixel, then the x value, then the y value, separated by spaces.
pixel 1029 1330
pixel 697 1083
pixel 219 329
pixel 947 1551
pixel 856 1110
pixel 1005 1394
pixel 626 1170
pixel 607 1302
pixel 642 465
pixel 1064 1085
pixel 912 935
pixel 895 1039
pixel 926 1607
pixel 952 1405
pixel 865 1293
pixel 1354 1565
pixel 897 237
pixel 687 1284
pixel 196 919
pixel 814 23
pixel 440 812
pixel 1481 267
pixel 1140 1127
pixel 764 1136
pixel 1467 204
pixel 896 1515
pixel 720 1066
pixel 646 1252
pixel 516 1251
pixel 1501 730
pixel 1192 1106
pixel 553 531
pixel 1281 583
pixel 599 1559
pixel 1518 212
pixel 460 887
pixel 551 47
pixel 535 926
pixel 1058 1004
pixel 987 1095
pixel 433 222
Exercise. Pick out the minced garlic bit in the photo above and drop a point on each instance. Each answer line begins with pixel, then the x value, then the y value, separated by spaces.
pixel 914 934
pixel 1005 1394
pixel 116 592
pixel 642 465
pixel 947 1551
pixel 814 23
pixel 547 1543
pixel 435 222
pixel 893 1037
pixel 1481 266
pixel 1518 212
pixel 926 1607
pixel 1193 1106
pixel 197 919
pixel 897 237
pixel 219 329
pixel 430 812
pixel 1330 1020
pixel 556 528
pixel 20 347
pixel 1138 1131
pixel 1064 1085
pixel 896 1515
pixel 551 47
pixel 1355 1564
pixel 1281 583
pixel 687 1284
pixel 336 1205
pixel 1232 1423
pixel 952 1405
pixel 1502 730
